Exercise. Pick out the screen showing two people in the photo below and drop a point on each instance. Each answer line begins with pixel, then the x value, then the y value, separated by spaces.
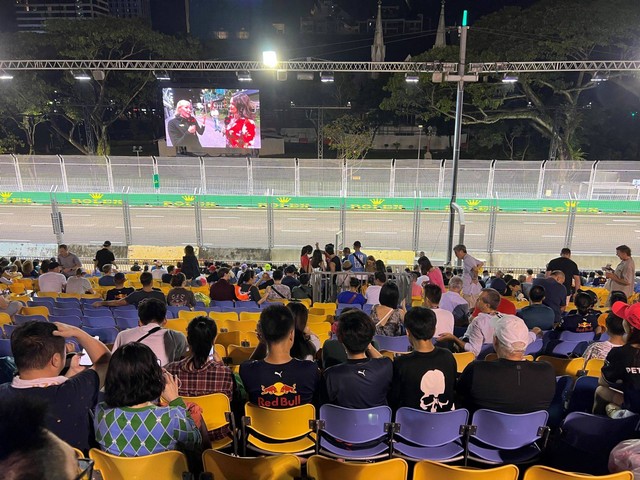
pixel 197 118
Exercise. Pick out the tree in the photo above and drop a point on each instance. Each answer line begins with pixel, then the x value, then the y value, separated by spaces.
pixel 549 104
pixel 350 136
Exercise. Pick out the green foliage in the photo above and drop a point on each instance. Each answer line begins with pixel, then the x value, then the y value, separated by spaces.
pixel 350 136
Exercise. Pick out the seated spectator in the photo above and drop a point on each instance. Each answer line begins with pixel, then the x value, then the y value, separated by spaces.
pixel 132 387
pixel 304 290
pixel 599 280
pixel 505 306
pixel 529 276
pixel 202 372
pixel 33 451
pixel 616 333
pixel 277 291
pixel 39 352
pixel 290 279
pixel 511 384
pixel 423 379
pixel 444 318
pixel 52 281
pixel 264 281
pixel 28 270
pixel 386 316
pixel 179 296
pixel 10 307
pixel 621 367
pixel 120 291
pixel 166 278
pixel 136 267
pixel 222 290
pixel 157 271
pixel 453 302
pixel 343 277
pixel 79 284
pixel 555 293
pixel 279 381
pixel 305 342
pixel 416 290
pixel 372 294
pixel 353 295
pixel 514 290
pixel 537 314
pixel 583 319
pixel 106 280
pixel 363 381
pixel 146 292
pixel 167 345
pixel 245 290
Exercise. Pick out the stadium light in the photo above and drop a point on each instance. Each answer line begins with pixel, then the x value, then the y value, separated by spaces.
pixel 326 77
pixel 411 77
pixel 243 76
pixel 270 58
pixel 162 76
pixel 509 78
pixel 5 76
pixel 599 77
pixel 81 75
pixel 305 76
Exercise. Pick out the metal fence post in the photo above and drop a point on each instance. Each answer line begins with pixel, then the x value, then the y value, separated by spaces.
pixel 249 177
pixel 126 217
pixel 203 177
pixel 270 240
pixel 56 216
pixel 296 180
pixel 197 210
pixel 16 165
pixel 490 181
pixel 541 179
pixel 109 174
pixel 461 227
pixel 571 221
pixel 392 178
pixel 63 172
pixel 345 183
pixel 493 217
pixel 592 179
pixel 416 223
pixel 343 217
pixel 441 179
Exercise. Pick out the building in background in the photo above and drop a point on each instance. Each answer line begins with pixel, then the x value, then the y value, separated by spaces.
pixel 31 15
pixel 131 9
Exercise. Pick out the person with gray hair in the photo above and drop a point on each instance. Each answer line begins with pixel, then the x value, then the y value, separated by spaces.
pixel 511 384
pixel 453 302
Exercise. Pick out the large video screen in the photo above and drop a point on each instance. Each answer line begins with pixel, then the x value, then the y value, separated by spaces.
pixel 197 118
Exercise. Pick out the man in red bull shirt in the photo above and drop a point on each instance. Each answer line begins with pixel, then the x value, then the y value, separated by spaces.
pixel 279 381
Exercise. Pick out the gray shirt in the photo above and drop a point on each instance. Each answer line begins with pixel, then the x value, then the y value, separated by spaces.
pixel 626 269
pixel 71 261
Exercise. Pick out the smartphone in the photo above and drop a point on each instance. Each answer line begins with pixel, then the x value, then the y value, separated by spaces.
pixel 85 360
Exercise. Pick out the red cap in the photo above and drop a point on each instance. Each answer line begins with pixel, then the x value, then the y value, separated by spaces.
pixel 630 313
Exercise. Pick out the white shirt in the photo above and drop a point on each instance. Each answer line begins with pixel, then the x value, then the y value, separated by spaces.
pixel 373 294
pixel 158 272
pixel 450 300
pixel 78 285
pixel 444 321
pixel 468 286
pixel 51 282
pixel 155 341
pixel 422 279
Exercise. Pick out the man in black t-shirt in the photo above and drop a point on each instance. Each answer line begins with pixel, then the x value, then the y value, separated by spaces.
pixel 279 381
pixel 361 382
pixel 120 291
pixel 147 291
pixel 568 267
pixel 510 384
pixel 104 256
pixel 423 379
pixel 555 293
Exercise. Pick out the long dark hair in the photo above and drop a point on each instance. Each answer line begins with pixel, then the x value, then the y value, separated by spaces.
pixel 246 276
pixel 306 250
pixel 201 333
pixel 302 346
pixel 316 259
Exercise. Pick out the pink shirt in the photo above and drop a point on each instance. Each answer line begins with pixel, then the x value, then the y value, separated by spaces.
pixel 435 278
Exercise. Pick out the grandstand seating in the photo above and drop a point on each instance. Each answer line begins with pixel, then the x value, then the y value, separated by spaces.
pixel 216 412
pixel 427 470
pixel 541 472
pixel 160 466
pixel 229 467
pixel 321 468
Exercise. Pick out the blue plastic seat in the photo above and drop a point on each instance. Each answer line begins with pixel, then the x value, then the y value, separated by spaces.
pixel 46 301
pixel 569 348
pixel 89 301
pixel 581 399
pixel 366 308
pixel 74 320
pixel 8 330
pixel 175 310
pixel 106 335
pixel 124 313
pixel 485 350
pixel 68 301
pixel 67 311
pixel 557 406
pixel 393 344
pixel 223 303
pixel 342 306
pixel 20 319
pixel 97 312
pixel 5 348
pixel 124 323
pixel 122 308
pixel 430 435
pixel 99 322
pixel 498 438
pixel 534 348
pixel 355 434
pixel 576 337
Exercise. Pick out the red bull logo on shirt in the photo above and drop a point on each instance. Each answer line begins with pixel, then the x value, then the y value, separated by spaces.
pixel 279 389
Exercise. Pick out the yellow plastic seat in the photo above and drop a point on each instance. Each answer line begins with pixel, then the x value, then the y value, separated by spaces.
pixel 249 337
pixel 215 408
pixel 492 357
pixel 48 294
pixel 316 311
pixel 178 324
pixel 27 282
pixel 323 468
pixel 218 316
pixel 239 354
pixel 5 319
pixel 594 367
pixel 563 366
pixel 323 337
pixel 329 308
pixel 220 349
pixel 427 470
pixel 250 316
pixel 201 289
pixel 165 289
pixel 189 315
pixel 287 428
pixel 602 319
pixel 20 298
pixel 38 310
pixel 463 359
pixel 91 295
pixel 242 326
pixel 17 288
pixel 317 318
pixel 160 466
pixel 305 301
pixel 539 472
pixel 228 467
pixel 228 338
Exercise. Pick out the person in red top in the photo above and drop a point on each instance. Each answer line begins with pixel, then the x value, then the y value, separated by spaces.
pixel 240 128
pixel 305 261
pixel 222 290
pixel 506 306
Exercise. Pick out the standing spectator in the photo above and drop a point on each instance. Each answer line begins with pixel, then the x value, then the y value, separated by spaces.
pixel 52 280
pixel 179 296
pixel 423 379
pixel 416 290
pixel 79 284
pixel 305 261
pixel 537 314
pixel 568 267
pixel 373 291
pixel 190 266
pixel 453 302
pixel 106 280
pixel 529 276
pixel 371 264
pixel 39 352
pixel 279 381
pixel 624 276
pixel 388 318
pixel 358 258
pixel 317 263
pixel 511 384
pixel 471 287
pixel 363 381
pixel 555 293
pixel 444 319
pixel 430 275
pixel 69 262
pixel 120 291
pixel 346 251
pixel 104 256
pixel 167 345
pixel 222 290
pixel 147 291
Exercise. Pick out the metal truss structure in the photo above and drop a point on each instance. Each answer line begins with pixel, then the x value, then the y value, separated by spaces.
pixel 322 66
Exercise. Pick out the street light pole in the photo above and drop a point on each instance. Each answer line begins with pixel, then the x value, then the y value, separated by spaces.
pixel 419 140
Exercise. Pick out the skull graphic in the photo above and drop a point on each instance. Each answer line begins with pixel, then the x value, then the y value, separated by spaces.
pixel 432 386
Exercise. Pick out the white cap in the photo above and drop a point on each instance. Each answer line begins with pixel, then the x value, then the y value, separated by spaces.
pixel 512 332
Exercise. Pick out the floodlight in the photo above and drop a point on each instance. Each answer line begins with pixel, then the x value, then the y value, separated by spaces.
pixel 305 76
pixel 244 76
pixel 5 75
pixel 411 77
pixel 270 58
pixel 599 77
pixel 326 77
pixel 162 76
pixel 80 75
pixel 509 78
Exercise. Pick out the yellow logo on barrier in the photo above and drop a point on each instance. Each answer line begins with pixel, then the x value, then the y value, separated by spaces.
pixel 6 195
pixel 95 199
pixel 284 200
pixel 571 204
pixel 96 196
pixel 188 198
pixel 376 202
pixel 473 203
